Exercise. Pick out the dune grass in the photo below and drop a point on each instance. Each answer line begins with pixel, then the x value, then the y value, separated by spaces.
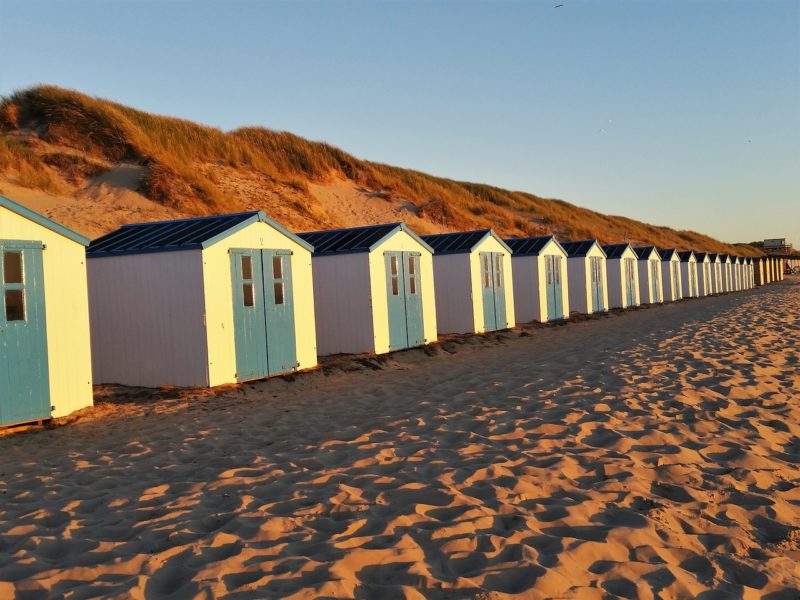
pixel 175 151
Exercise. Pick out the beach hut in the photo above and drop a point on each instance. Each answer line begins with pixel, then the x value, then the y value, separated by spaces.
pixel 688 274
pixel 586 276
pixel 200 302
pixel 705 275
pixel 751 272
pixel 670 274
pixel 726 263
pixel 649 260
pixel 623 275
pixel 737 273
pixel 45 361
pixel 373 289
pixel 758 271
pixel 716 273
pixel 473 281
pixel 541 281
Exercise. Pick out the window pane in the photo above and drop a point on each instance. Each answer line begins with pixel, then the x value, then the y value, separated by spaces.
pixel 393 265
pixel 12 267
pixel 247 292
pixel 278 292
pixel 277 267
pixel 247 269
pixel 395 287
pixel 411 263
pixel 412 284
pixel 15 305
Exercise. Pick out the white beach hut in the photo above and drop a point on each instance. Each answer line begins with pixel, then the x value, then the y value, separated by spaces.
pixel 671 274
pixel 688 274
pixel 623 275
pixel 473 281
pixel 727 272
pixel 716 273
pixel 200 302
pixel 737 273
pixel 45 361
pixel 541 280
pixel 705 275
pixel 751 272
pixel 586 276
pixel 649 263
pixel 759 275
pixel 373 289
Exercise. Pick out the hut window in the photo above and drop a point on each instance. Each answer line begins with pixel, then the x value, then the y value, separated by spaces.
pixel 395 286
pixel 412 275
pixel 247 293
pixel 247 267
pixel 15 305
pixel 393 265
pixel 487 276
pixel 12 267
pixel 277 267
pixel 278 292
pixel 393 268
pixel 498 270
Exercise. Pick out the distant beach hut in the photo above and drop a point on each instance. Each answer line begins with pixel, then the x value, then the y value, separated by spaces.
pixel 670 274
pixel 727 272
pixel 751 275
pixel 737 273
pixel 586 276
pixel 541 279
pixel 705 283
pixel 45 361
pixel 649 264
pixel 688 274
pixel 373 289
pixel 473 281
pixel 759 274
pixel 200 302
pixel 716 273
pixel 623 275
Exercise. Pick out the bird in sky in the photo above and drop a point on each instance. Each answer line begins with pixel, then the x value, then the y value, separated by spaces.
pixel 558 6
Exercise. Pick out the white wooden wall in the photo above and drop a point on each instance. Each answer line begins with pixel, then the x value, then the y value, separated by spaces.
pixel 527 302
pixel 454 297
pixel 671 293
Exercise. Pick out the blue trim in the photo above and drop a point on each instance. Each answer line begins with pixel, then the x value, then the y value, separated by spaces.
pixel 42 220
pixel 401 227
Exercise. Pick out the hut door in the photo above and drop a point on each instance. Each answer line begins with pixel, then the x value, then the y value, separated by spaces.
pixel 24 369
pixel 263 311
pixel 555 301
pixel 676 280
pixel 404 294
pixel 596 268
pixel 655 282
pixel 630 281
pixel 493 286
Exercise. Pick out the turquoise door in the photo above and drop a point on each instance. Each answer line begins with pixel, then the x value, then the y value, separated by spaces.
pixel 263 313
pixel 553 289
pixel 655 282
pixel 630 281
pixel 404 297
pixel 558 289
pixel 24 371
pixel 596 273
pixel 493 290
pixel 676 279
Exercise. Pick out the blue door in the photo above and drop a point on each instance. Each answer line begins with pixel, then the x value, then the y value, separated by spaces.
pixel 263 313
pixel 676 279
pixel 493 290
pixel 630 281
pixel 655 282
pixel 24 370
pixel 553 289
pixel 596 273
pixel 404 296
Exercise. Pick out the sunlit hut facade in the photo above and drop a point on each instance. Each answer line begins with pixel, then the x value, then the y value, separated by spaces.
pixel 737 273
pixel 623 275
pixel 586 276
pixel 45 361
pixel 716 273
pixel 670 274
pixel 758 271
pixel 705 276
pixel 472 273
pixel 541 279
pixel 649 264
pixel 200 302
pixel 727 272
pixel 373 289
pixel 688 274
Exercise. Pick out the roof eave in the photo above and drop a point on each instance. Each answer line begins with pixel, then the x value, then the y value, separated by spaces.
pixel 400 227
pixel 261 217
pixel 31 215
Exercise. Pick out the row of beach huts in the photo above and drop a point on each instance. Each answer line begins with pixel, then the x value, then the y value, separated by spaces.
pixel 223 299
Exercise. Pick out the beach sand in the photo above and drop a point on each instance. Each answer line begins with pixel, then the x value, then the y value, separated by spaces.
pixel 654 454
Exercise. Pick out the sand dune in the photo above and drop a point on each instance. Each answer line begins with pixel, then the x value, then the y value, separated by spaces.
pixel 650 455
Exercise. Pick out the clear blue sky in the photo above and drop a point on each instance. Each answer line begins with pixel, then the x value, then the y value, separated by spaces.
pixel 683 113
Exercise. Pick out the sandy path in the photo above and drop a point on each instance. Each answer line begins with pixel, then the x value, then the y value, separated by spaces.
pixel 653 455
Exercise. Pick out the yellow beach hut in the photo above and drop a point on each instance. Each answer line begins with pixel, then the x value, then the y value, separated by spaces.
pixel 373 289
pixel 45 362
pixel 474 287
pixel 200 302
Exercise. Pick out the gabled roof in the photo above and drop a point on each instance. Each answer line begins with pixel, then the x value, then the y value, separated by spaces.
pixel 615 250
pixel 713 256
pixel 686 255
pixel 355 239
pixel 460 242
pixel 701 256
pixel 179 234
pixel 532 246
pixel 667 254
pixel 724 258
pixel 581 248
pixel 644 252
pixel 27 213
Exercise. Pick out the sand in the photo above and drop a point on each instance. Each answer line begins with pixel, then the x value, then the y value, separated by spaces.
pixel 650 455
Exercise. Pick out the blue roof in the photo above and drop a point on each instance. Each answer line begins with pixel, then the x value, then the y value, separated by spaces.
pixel 581 248
pixel 713 256
pixel 667 253
pixel 701 256
pixel 615 250
pixel 532 246
pixel 22 211
pixel 460 242
pixel 644 252
pixel 686 255
pixel 179 234
pixel 354 239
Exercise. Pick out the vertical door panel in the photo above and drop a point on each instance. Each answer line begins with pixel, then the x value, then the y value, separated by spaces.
pixel 249 314
pixel 415 335
pixel 558 292
pixel 279 302
pixel 395 292
pixel 487 291
pixel 499 287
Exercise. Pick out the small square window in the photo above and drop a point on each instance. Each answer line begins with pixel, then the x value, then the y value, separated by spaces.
pixel 12 267
pixel 247 268
pixel 393 265
pixel 15 305
pixel 278 292
pixel 395 287
pixel 247 293
pixel 411 265
pixel 412 284
pixel 277 267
